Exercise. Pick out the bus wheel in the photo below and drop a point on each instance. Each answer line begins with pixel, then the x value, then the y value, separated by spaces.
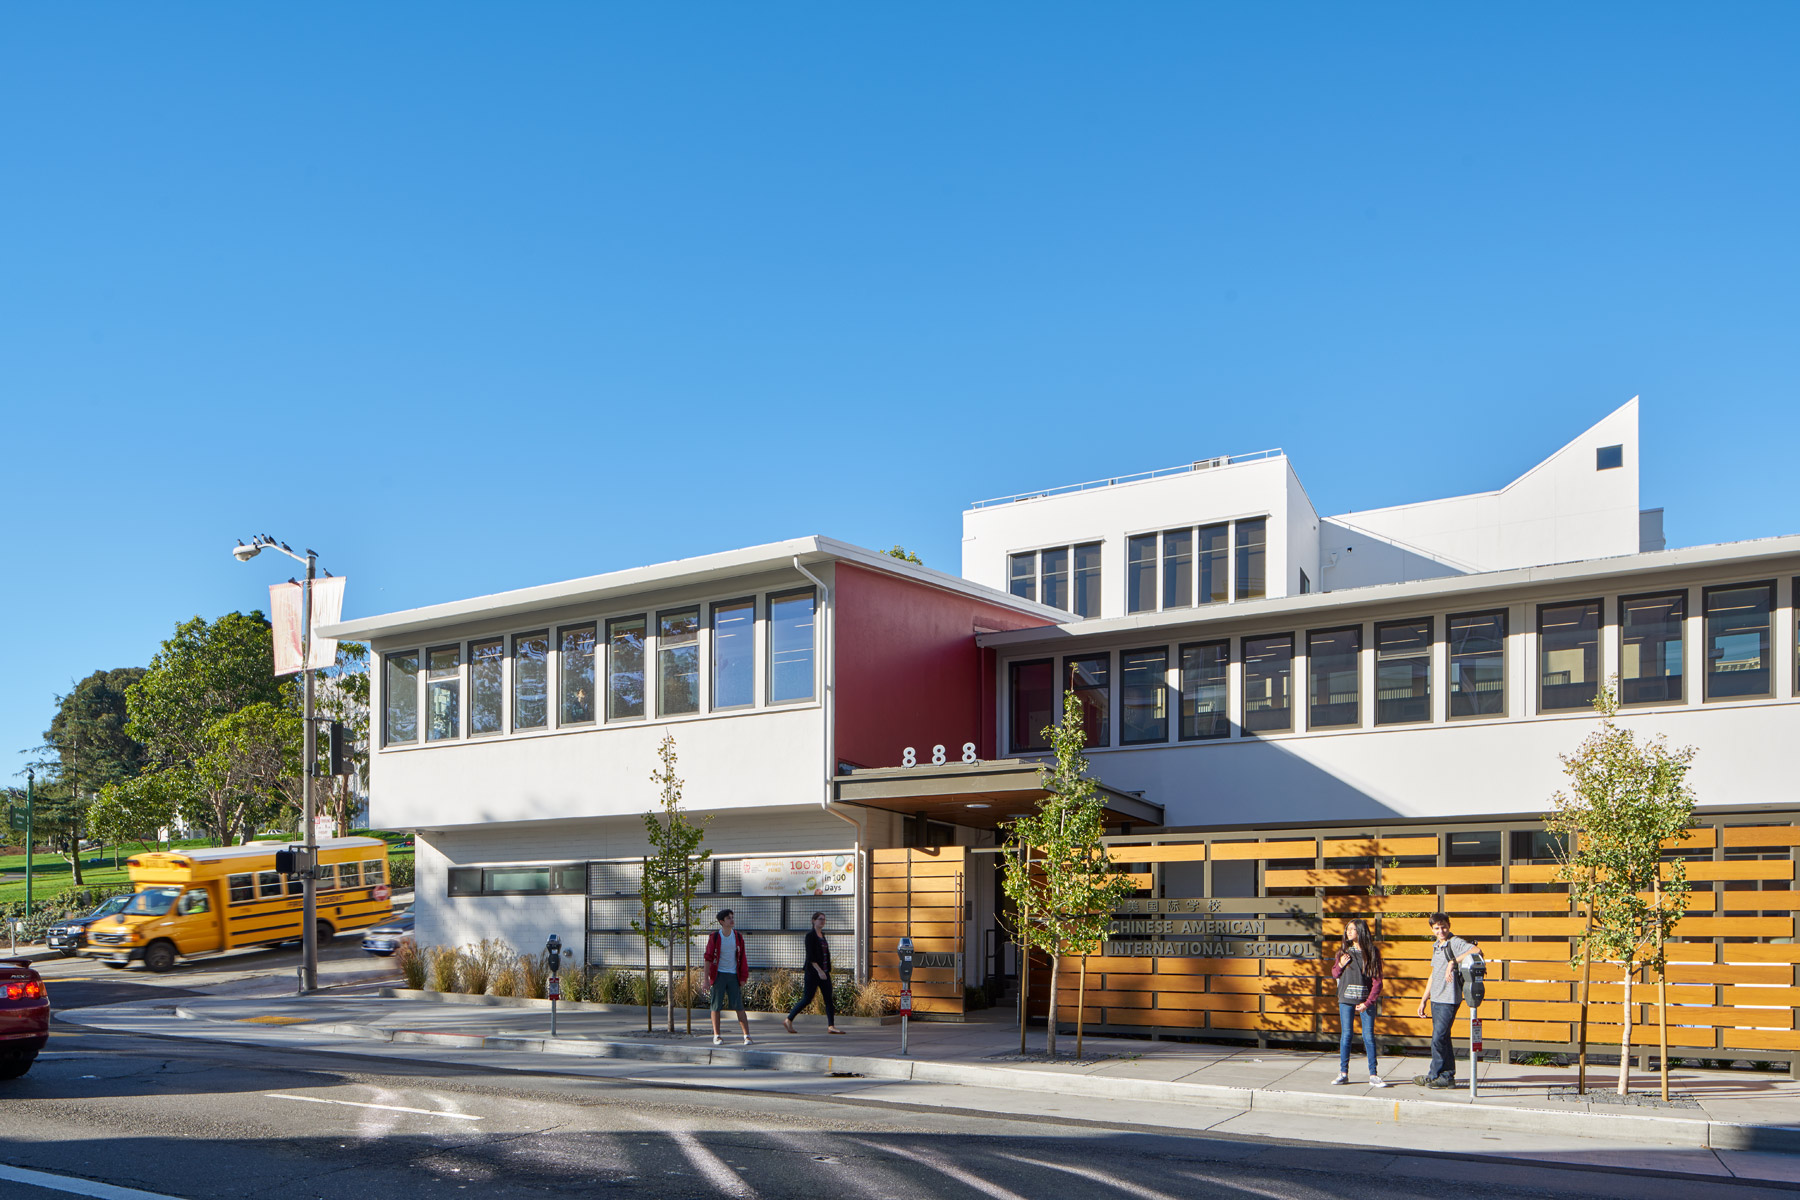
pixel 159 956
pixel 326 932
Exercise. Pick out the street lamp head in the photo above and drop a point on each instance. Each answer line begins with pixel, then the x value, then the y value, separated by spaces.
pixel 245 553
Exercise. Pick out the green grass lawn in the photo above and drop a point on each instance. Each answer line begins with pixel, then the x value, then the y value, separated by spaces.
pixel 50 873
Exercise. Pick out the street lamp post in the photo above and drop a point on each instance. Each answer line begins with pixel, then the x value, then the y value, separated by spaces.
pixel 309 912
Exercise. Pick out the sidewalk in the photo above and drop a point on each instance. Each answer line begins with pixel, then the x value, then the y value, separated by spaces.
pixel 1741 1111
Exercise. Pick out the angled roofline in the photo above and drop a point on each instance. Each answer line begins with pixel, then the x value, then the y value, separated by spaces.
pixel 726 564
pixel 1442 588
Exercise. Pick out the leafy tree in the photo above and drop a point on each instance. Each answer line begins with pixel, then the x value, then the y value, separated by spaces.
pixel 1060 877
pixel 210 698
pixel 672 875
pixel 139 809
pixel 1626 798
pixel 342 694
pixel 904 555
pixel 93 749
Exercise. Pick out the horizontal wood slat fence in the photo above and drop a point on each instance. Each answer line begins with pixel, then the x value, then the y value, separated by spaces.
pixel 1732 968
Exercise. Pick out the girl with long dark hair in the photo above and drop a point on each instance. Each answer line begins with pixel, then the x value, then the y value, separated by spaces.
pixel 1357 969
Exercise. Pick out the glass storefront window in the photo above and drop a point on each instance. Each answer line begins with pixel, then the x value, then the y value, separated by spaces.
pixel 1568 655
pixel 734 654
pixel 1178 568
pixel 625 668
pixel 1087 580
pixel 1268 684
pixel 1334 675
pixel 1737 641
pixel 1252 559
pixel 443 693
pixel 678 662
pixel 1651 648
pixel 400 698
pixel 1140 574
pixel 1031 704
pixel 1089 677
pixel 1143 697
pixel 487 686
pixel 575 675
pixel 1477 646
pixel 1205 691
pixel 1403 672
pixel 791 626
pixel 531 680
pixel 1215 564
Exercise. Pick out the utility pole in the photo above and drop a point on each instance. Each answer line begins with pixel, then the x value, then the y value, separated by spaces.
pixel 29 777
pixel 309 939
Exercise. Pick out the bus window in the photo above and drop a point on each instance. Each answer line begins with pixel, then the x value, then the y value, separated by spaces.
pixel 243 889
pixel 153 902
pixel 372 873
pixel 194 902
pixel 270 883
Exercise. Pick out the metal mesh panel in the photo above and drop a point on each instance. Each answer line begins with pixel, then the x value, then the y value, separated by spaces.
pixel 731 876
pixel 776 950
pixel 840 912
pixel 615 913
pixel 752 912
pixel 612 878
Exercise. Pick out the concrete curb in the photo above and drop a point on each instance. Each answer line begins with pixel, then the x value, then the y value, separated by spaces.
pixel 1683 1131
pixel 391 993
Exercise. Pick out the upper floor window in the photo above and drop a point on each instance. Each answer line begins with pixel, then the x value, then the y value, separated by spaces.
pixel 1178 568
pixel 1568 655
pixel 1334 672
pixel 791 622
pixel 1055 577
pixel 443 693
pixel 1403 672
pixel 1477 664
pixel 678 662
pixel 1143 697
pixel 487 686
pixel 1140 573
pixel 1065 577
pixel 1031 704
pixel 1650 648
pixel 1087 579
pixel 1608 457
pixel 734 654
pixel 625 668
pixel 1205 690
pixel 1252 559
pixel 1737 640
pixel 1089 677
pixel 1268 684
pixel 1215 564
pixel 575 675
pixel 531 680
pixel 1022 575
pixel 400 693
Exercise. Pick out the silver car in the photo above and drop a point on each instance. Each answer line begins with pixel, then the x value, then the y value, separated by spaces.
pixel 389 936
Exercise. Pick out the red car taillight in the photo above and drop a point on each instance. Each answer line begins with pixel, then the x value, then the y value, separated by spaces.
pixel 25 991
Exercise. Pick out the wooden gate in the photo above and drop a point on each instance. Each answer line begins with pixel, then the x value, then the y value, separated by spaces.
pixel 921 894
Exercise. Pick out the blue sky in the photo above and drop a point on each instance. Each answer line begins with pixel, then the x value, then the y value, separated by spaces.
pixel 470 297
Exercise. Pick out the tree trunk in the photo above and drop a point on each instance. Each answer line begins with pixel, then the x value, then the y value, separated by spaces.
pixel 1625 1038
pixel 1080 1004
pixel 1587 972
pixel 75 841
pixel 1050 1028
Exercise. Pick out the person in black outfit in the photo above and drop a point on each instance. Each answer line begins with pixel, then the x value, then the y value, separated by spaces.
pixel 818 976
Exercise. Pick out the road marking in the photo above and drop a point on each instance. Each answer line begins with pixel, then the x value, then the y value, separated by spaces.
pixel 945 1167
pixel 1123 1185
pixel 426 1112
pixel 80 1187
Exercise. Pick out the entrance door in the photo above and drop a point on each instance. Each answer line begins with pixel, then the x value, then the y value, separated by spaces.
pixel 921 894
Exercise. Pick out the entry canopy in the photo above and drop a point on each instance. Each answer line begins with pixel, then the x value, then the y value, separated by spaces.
pixel 976 795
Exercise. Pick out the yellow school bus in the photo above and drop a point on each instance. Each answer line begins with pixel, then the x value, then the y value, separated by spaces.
pixel 193 902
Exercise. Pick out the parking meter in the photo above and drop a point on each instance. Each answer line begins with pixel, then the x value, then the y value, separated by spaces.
pixel 1474 973
pixel 553 985
pixel 906 964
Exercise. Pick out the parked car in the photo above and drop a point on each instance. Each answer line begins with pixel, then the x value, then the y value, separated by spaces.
pixel 70 935
pixel 24 1016
pixel 386 938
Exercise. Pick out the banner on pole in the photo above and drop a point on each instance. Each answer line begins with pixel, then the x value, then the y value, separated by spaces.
pixel 284 615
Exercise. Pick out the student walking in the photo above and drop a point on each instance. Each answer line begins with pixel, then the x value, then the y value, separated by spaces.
pixel 818 976
pixel 727 966
pixel 1444 994
pixel 1357 969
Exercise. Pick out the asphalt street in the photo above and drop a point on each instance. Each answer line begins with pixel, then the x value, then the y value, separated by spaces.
pixel 199 1119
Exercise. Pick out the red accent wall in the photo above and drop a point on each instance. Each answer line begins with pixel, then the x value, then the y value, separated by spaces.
pixel 908 670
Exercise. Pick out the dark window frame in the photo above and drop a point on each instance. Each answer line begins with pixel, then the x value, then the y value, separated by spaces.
pixel 1356 630
pixel 1029 743
pixel 1151 591
pixel 1706 594
pixel 1244 683
pixel 563 879
pixel 1181 653
pixel 1125 739
pixel 1599 606
pixel 1505 615
pixel 1066 683
pixel 1431 640
pixel 1622 602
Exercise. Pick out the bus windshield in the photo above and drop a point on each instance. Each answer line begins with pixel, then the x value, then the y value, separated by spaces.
pixel 153 902
pixel 111 905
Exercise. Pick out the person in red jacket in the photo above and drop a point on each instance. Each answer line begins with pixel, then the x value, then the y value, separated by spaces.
pixel 727 967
